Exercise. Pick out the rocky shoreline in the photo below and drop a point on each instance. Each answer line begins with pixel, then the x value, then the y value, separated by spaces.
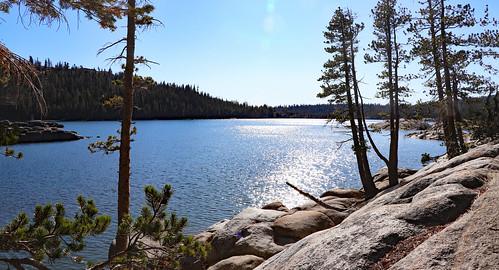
pixel 38 131
pixel 420 129
pixel 430 220
pixel 405 124
pixel 434 132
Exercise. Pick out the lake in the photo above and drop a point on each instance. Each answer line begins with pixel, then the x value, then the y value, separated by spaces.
pixel 216 167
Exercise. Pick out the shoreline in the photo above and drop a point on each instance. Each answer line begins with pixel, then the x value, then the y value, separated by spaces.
pixel 275 237
pixel 38 131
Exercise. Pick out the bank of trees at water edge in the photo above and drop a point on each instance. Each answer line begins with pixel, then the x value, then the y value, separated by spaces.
pixel 448 42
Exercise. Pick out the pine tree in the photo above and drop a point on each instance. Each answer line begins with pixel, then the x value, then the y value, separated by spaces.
pixel 388 21
pixel 155 239
pixel 50 235
pixel 444 50
pixel 337 85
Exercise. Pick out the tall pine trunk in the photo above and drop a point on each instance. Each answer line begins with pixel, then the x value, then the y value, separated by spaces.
pixel 360 117
pixel 438 74
pixel 367 182
pixel 453 148
pixel 126 122
pixel 457 113
pixel 393 156
pixel 394 138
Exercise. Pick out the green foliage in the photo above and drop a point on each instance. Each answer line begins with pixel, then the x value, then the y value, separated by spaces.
pixel 471 44
pixel 425 158
pixel 77 93
pixel 155 237
pixel 114 102
pixel 110 145
pixel 341 32
pixel 50 235
pixel 467 48
pixel 46 12
pixel 8 137
pixel 338 75
pixel 485 121
pixel 386 47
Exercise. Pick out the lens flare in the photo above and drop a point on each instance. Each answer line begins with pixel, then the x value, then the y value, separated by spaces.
pixel 271 6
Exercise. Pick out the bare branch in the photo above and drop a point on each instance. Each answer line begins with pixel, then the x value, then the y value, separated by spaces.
pixel 109 45
pixel 19 70
pixel 311 197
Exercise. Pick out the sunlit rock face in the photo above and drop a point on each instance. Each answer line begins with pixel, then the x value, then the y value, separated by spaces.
pixel 245 262
pixel 256 234
pixel 459 194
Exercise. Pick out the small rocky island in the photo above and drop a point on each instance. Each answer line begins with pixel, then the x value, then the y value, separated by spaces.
pixel 443 216
pixel 420 129
pixel 37 131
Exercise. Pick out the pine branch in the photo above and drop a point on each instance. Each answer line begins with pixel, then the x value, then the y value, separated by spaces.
pixel 18 263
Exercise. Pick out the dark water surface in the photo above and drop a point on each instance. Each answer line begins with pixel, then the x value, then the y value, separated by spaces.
pixel 216 167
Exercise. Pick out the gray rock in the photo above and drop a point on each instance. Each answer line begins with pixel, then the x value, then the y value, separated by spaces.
pixel 217 226
pixel 438 194
pixel 380 178
pixel 257 239
pixel 354 244
pixel 470 179
pixel 40 131
pixel 305 206
pixel 335 216
pixel 438 205
pixel 478 246
pixel 469 243
pixel 279 206
pixel 344 193
pixel 481 156
pixel 301 224
pixel 405 124
pixel 339 204
pixel 225 237
pixel 382 174
pixel 204 237
pixel 258 215
pixel 48 136
pixel 246 262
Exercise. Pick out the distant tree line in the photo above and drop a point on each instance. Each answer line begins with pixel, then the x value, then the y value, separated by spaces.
pixel 78 93
pixel 373 111
pixel 472 108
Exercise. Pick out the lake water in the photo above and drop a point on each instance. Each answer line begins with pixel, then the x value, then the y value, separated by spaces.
pixel 216 167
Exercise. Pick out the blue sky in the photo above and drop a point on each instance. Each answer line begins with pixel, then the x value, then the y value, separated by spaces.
pixel 255 51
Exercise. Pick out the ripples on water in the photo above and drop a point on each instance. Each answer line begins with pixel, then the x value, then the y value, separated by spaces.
pixel 216 167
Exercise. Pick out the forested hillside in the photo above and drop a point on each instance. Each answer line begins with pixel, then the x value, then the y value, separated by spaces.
pixel 77 93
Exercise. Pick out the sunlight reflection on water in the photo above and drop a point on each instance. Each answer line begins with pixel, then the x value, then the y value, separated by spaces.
pixel 309 167
pixel 216 168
